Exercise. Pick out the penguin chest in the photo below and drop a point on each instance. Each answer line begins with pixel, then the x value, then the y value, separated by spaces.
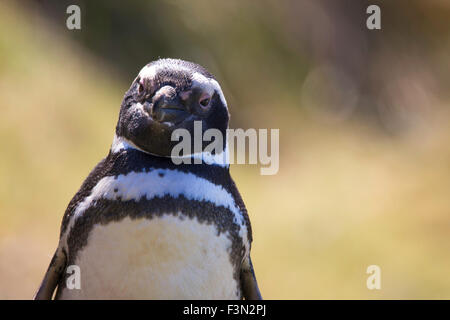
pixel 165 257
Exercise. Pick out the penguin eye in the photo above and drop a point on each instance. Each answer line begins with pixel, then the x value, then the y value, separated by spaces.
pixel 140 87
pixel 146 88
pixel 205 102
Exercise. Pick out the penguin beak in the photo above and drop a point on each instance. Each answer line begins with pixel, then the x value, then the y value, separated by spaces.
pixel 168 107
pixel 169 111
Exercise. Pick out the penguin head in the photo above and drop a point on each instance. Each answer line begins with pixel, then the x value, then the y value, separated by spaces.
pixel 170 94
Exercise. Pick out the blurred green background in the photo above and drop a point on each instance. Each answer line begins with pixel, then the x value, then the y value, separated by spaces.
pixel 363 116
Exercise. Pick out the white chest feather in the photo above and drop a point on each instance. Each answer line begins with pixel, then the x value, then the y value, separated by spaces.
pixel 163 258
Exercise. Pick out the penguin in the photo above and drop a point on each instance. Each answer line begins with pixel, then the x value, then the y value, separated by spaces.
pixel 144 227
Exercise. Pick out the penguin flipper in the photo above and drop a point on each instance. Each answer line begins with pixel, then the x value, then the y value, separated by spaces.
pixel 249 284
pixel 52 276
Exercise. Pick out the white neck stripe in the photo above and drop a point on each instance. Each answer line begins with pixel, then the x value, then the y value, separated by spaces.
pixel 221 159
pixel 158 183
